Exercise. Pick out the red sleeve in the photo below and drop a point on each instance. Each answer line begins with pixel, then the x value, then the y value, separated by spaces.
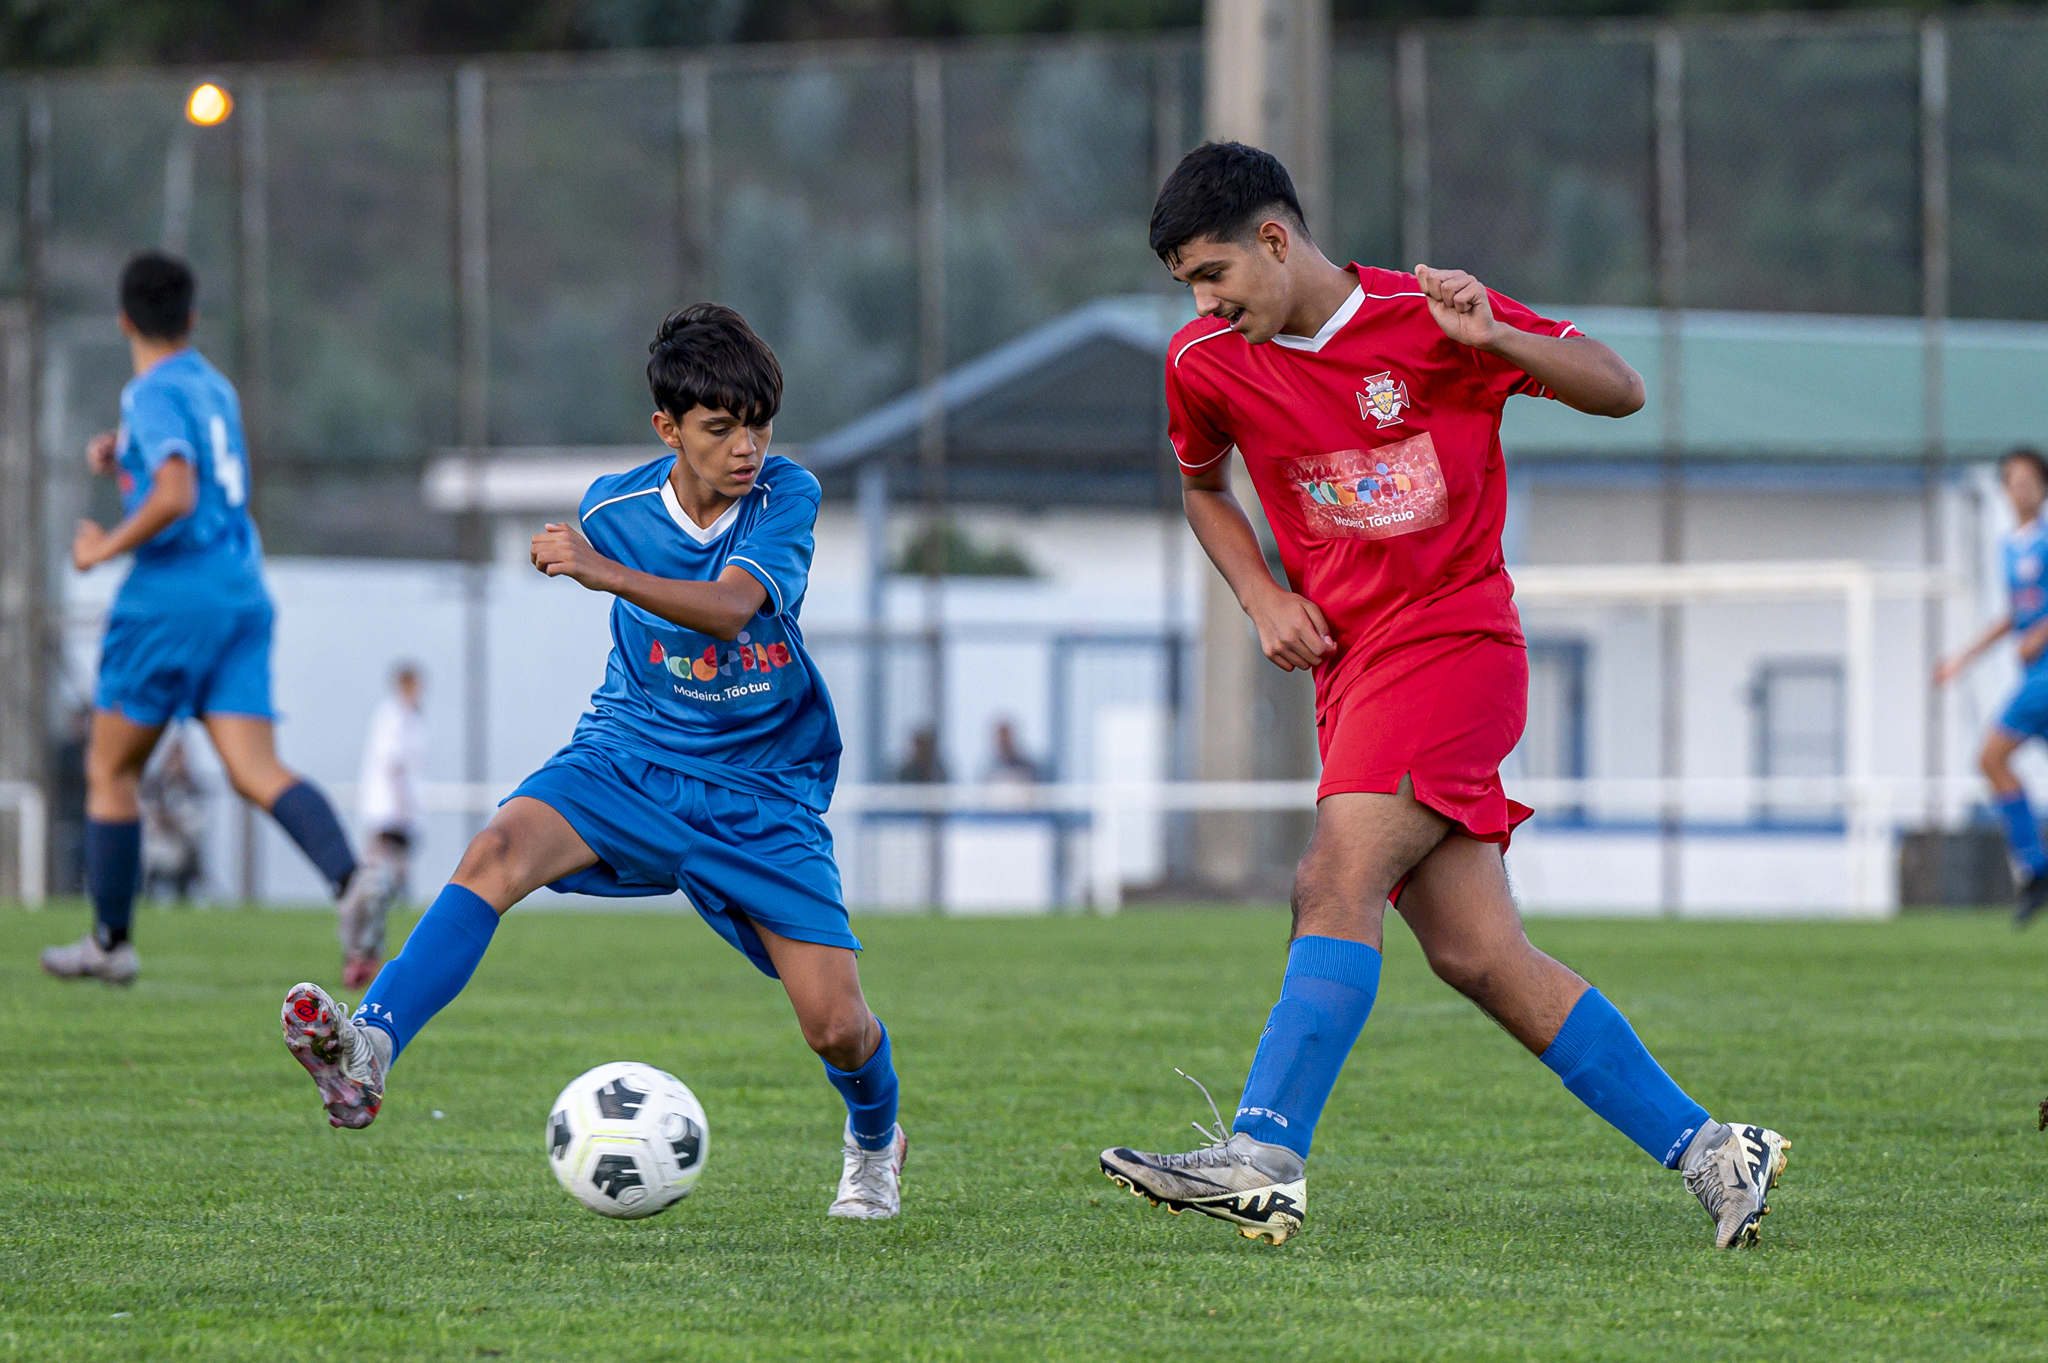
pixel 1505 380
pixel 1191 423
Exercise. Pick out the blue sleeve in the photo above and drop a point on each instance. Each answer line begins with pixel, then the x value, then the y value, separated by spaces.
pixel 158 424
pixel 777 547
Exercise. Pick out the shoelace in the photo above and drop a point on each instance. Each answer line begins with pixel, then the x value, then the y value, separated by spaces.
pixel 1712 1184
pixel 1215 1152
pixel 869 1173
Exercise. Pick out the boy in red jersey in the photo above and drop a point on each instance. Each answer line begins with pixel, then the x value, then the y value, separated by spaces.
pixel 1366 405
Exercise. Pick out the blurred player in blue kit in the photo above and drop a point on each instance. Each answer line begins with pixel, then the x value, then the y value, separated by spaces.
pixel 189 632
pixel 705 764
pixel 2024 475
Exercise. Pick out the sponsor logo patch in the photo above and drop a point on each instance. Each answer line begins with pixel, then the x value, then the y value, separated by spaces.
pixel 1375 494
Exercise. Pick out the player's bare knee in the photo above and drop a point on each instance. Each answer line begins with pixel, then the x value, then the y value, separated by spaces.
pixel 489 856
pixel 838 1035
pixel 1992 760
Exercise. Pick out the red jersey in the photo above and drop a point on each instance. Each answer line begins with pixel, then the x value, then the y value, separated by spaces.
pixel 1375 448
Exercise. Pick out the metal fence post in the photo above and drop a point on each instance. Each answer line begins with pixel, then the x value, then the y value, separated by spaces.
pixel 1669 145
pixel 1411 90
pixel 1934 269
pixel 473 302
pixel 928 95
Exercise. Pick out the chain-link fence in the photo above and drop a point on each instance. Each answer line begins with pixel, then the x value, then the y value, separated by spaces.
pixel 854 200
pixel 403 261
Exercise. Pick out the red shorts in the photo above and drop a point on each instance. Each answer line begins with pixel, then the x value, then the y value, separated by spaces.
pixel 1445 713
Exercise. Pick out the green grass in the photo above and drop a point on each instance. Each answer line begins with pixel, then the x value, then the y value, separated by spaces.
pixel 169 1187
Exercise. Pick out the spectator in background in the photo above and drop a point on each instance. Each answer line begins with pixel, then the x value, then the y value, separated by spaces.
pixel 173 822
pixel 1008 765
pixel 923 766
pixel 387 813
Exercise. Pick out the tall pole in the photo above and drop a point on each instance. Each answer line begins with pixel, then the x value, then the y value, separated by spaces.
pixel 1934 270
pixel 928 97
pixel 1268 82
pixel 694 183
pixel 252 371
pixel 1411 102
pixel 25 639
pixel 252 259
pixel 1669 83
pixel 472 293
pixel 1168 140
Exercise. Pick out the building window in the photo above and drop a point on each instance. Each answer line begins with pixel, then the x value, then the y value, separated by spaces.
pixel 1797 705
pixel 1554 742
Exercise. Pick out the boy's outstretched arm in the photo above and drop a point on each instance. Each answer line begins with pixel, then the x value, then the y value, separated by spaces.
pixel 720 609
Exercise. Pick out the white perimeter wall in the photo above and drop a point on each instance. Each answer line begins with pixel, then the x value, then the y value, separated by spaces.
pixel 343 624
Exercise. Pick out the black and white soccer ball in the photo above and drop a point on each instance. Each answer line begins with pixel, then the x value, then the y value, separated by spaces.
pixel 627 1140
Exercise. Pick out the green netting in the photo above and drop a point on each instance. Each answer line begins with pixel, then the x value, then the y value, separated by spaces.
pixel 1540 170
pixel 1803 171
pixel 1365 157
pixel 1998 176
pixel 586 249
pixel 813 228
pixel 1050 170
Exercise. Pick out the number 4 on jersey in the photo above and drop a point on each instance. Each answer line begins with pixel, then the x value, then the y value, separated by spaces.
pixel 227 465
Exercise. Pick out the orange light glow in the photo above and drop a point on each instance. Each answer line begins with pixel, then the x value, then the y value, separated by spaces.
pixel 208 105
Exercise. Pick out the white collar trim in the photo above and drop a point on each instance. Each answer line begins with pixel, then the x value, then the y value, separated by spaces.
pixel 1344 313
pixel 703 534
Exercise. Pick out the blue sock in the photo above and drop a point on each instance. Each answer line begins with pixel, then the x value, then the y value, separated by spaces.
pixel 2022 834
pixel 113 865
pixel 870 1094
pixel 1603 1063
pixel 303 812
pixel 1324 999
pixel 438 959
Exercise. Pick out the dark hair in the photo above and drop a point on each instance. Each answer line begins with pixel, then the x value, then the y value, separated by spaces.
pixel 156 295
pixel 2026 454
pixel 706 355
pixel 1222 191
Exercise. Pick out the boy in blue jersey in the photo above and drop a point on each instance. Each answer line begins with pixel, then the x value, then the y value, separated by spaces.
pixel 705 763
pixel 189 632
pixel 2024 475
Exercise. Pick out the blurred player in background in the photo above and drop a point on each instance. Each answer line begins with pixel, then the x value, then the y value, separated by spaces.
pixel 173 809
pixel 1366 405
pixel 2024 475
pixel 388 814
pixel 705 765
pixel 189 632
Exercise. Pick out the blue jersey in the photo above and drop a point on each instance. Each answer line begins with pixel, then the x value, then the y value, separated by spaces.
pixel 2025 552
pixel 210 559
pixel 751 713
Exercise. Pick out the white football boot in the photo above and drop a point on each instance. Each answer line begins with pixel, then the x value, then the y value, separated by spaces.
pixel 871 1183
pixel 87 959
pixel 347 1062
pixel 1733 1178
pixel 1260 1188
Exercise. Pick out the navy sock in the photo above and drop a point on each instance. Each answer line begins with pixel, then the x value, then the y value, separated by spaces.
pixel 1604 1064
pixel 438 959
pixel 303 812
pixel 870 1094
pixel 2022 834
pixel 113 865
pixel 1324 1000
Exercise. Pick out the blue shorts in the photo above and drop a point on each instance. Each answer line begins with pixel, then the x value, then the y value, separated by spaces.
pixel 159 666
pixel 2027 714
pixel 741 858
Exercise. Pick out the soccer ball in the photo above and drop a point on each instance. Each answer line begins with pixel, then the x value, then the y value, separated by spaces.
pixel 627 1140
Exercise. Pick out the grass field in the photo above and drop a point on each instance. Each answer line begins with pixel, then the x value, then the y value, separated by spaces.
pixel 169 1187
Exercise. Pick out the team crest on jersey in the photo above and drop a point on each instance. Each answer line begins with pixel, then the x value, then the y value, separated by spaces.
pixel 1384 399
